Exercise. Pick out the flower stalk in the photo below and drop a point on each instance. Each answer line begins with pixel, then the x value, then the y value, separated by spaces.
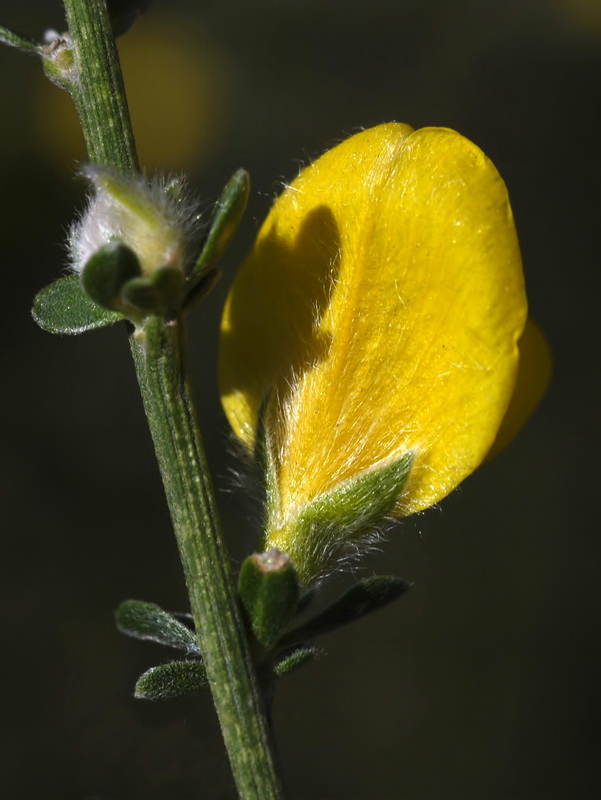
pixel 93 78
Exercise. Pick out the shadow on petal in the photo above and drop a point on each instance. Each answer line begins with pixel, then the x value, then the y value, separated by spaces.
pixel 296 283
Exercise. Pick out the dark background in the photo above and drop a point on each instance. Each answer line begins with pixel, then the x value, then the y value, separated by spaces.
pixel 483 683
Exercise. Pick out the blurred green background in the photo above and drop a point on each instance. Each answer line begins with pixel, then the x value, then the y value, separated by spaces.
pixel 482 683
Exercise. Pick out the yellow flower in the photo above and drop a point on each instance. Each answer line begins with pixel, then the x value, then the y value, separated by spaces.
pixel 379 313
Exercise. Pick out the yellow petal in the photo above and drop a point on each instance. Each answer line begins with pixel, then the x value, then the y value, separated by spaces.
pixel 534 373
pixel 382 302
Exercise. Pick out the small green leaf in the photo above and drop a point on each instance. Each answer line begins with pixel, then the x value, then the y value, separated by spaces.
pixel 141 293
pixel 14 39
pixel 269 591
pixel 107 271
pixel 64 307
pixel 295 659
pixel 159 293
pixel 228 213
pixel 365 597
pixel 148 621
pixel 171 680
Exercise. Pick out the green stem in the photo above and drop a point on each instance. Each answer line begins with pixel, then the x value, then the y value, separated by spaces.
pixel 157 346
pixel 158 355
pixel 97 87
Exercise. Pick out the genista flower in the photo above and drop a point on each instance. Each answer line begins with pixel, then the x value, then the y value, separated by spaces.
pixel 370 341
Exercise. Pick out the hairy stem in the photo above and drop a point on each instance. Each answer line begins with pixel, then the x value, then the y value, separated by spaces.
pixel 94 80
pixel 158 355
pixel 97 86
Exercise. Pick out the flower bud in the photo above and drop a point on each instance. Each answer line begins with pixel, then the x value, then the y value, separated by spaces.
pixel 152 218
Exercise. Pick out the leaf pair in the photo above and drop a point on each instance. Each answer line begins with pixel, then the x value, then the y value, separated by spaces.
pixel 268 615
pixel 148 621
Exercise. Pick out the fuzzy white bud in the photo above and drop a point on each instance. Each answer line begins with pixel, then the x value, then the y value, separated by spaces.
pixel 149 216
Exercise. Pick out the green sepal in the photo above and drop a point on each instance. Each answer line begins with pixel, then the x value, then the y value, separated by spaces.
pixel 365 597
pixel 269 591
pixel 347 513
pixel 107 271
pixel 160 293
pixel 263 457
pixel 366 498
pixel 294 659
pixel 65 307
pixel 227 215
pixel 171 680
pixel 148 621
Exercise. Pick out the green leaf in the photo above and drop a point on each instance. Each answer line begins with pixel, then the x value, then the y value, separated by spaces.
pixel 159 293
pixel 148 621
pixel 291 661
pixel 365 597
pixel 171 680
pixel 64 307
pixel 14 39
pixel 228 213
pixel 269 591
pixel 105 273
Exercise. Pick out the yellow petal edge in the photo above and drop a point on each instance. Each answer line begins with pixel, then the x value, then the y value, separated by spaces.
pixel 382 302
